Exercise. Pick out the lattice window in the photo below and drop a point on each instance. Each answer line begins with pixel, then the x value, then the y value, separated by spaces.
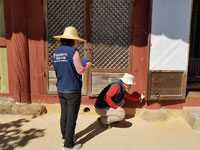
pixel 60 14
pixel 110 33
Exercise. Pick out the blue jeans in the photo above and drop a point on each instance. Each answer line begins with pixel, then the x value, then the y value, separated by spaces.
pixel 70 104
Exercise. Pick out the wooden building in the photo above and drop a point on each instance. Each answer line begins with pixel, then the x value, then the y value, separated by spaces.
pixel 142 37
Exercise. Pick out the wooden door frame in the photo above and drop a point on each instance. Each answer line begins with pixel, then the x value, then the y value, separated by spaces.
pixel 149 72
pixel 47 68
pixel 147 95
pixel 88 35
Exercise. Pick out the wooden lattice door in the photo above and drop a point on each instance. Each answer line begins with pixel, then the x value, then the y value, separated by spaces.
pixel 107 25
pixel 110 42
pixel 60 14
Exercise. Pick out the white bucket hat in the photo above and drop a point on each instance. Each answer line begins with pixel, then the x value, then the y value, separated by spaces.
pixel 128 79
pixel 70 33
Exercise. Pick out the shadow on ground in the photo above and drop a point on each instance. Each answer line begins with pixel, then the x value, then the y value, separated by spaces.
pixel 12 136
pixel 95 129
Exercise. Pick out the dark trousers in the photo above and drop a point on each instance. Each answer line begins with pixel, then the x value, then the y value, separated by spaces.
pixel 70 104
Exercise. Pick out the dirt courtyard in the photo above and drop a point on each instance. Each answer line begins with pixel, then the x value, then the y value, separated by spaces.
pixel 18 132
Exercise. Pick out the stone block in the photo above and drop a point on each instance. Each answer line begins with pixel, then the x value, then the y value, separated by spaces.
pixel 23 109
pixel 5 108
pixel 154 115
pixel 192 116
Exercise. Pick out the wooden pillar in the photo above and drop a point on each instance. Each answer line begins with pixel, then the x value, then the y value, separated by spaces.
pixel 140 43
pixel 36 46
pixel 19 47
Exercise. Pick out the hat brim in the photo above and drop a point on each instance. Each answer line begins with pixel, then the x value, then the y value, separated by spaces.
pixel 127 83
pixel 69 37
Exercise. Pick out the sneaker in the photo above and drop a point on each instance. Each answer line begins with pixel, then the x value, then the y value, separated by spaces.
pixel 75 147
pixel 104 126
pixel 63 141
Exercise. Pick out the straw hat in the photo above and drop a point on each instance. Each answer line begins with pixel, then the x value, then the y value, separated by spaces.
pixel 70 33
pixel 128 79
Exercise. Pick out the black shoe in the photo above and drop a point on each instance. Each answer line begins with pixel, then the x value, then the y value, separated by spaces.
pixel 104 126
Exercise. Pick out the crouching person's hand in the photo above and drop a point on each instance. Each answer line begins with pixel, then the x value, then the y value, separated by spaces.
pixel 142 97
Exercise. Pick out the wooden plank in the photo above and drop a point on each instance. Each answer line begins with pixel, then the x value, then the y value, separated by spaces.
pixel 167 85
pixel 52 74
pixel 52 80
pixel 166 71
pixel 101 80
pixel 52 85
pixel 4 87
pixel 163 91
pixel 165 80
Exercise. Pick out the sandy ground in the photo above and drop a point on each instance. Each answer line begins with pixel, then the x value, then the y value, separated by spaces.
pixel 19 132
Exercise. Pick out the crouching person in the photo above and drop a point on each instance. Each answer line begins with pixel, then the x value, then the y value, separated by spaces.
pixel 111 99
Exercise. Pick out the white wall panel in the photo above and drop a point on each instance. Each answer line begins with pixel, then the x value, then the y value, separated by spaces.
pixel 170 33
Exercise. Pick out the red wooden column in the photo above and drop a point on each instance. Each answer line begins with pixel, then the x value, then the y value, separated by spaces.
pixel 140 43
pixel 19 48
pixel 36 46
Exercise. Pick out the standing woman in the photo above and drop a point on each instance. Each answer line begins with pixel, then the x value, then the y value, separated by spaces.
pixel 68 68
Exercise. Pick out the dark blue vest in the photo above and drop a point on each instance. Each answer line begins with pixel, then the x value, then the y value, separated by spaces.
pixel 101 103
pixel 67 77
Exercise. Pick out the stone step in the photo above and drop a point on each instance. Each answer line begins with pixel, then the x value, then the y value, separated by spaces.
pixel 192 116
pixel 22 109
